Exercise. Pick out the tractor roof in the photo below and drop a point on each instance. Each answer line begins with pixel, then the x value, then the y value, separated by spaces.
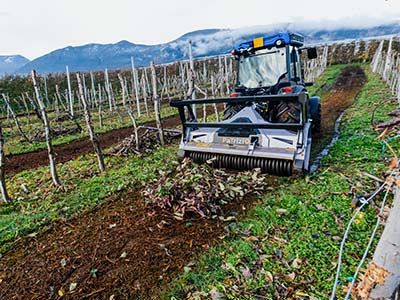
pixel 279 39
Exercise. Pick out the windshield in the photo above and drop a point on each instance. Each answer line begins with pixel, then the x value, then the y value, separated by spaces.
pixel 263 68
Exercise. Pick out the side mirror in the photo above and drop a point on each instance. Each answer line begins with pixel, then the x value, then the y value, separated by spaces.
pixel 312 53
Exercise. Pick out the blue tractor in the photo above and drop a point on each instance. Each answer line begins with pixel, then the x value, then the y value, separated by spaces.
pixel 269 118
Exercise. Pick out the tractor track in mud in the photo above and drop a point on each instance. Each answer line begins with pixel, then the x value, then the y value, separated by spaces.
pixel 125 248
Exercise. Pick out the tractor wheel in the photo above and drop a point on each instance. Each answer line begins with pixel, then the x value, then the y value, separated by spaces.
pixel 287 112
pixel 232 110
pixel 315 111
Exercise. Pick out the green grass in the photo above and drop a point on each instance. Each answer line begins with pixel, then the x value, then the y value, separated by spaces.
pixel 325 81
pixel 85 190
pixel 298 250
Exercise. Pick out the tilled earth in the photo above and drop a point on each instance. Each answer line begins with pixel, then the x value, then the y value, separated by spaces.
pixel 126 249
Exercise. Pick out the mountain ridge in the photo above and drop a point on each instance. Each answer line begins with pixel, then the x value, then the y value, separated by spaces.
pixel 10 63
pixel 206 42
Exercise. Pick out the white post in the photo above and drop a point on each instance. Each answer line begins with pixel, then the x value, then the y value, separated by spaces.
pixel 47 130
pixel 108 90
pixel 71 102
pixel 191 92
pixel 136 84
pixel 156 100
pixel 5 198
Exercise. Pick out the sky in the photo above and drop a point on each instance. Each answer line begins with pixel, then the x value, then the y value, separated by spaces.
pixel 33 28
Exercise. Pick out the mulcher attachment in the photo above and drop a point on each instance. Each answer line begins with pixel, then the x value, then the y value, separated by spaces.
pixel 278 167
pixel 246 140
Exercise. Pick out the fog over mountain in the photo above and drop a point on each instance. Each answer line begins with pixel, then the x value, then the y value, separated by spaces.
pixel 205 43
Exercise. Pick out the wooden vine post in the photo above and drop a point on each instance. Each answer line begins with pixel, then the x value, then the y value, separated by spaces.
pixel 88 119
pixel 157 104
pixel 47 131
pixel 5 198
pixel 129 110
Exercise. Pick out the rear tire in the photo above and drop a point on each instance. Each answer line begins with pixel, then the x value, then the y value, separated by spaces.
pixel 287 112
pixel 232 110
pixel 315 112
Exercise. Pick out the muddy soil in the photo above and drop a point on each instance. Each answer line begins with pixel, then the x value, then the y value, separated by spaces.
pixel 337 100
pixel 125 248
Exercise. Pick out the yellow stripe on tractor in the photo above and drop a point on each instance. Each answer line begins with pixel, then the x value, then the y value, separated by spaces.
pixel 258 42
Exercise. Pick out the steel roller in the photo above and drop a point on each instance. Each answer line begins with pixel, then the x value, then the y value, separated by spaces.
pixel 271 166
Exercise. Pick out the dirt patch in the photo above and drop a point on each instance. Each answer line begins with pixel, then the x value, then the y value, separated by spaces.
pixel 123 248
pixel 337 100
pixel 66 152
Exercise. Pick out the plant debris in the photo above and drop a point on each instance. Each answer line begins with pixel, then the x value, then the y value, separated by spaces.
pixel 148 140
pixel 374 275
pixel 58 130
pixel 199 190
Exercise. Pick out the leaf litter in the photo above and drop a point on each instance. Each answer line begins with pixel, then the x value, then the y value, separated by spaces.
pixel 193 190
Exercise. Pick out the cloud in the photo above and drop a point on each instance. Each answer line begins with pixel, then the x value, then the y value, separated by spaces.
pixel 227 38
pixel 5 14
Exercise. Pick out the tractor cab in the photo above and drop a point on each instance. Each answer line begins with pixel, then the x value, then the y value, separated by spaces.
pixel 268 64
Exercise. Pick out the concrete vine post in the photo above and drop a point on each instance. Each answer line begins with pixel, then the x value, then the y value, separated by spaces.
pixel 46 92
pixel 213 92
pixel 129 110
pixel 156 100
pixel 93 89
pixel 145 94
pixel 89 124
pixel 71 100
pixel 47 131
pixel 110 104
pixel 56 107
pixel 5 198
pixel 100 106
pixel 136 85
pixel 146 89
pixel 191 94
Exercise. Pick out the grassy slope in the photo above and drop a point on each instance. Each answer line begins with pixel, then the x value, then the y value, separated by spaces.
pixel 291 239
